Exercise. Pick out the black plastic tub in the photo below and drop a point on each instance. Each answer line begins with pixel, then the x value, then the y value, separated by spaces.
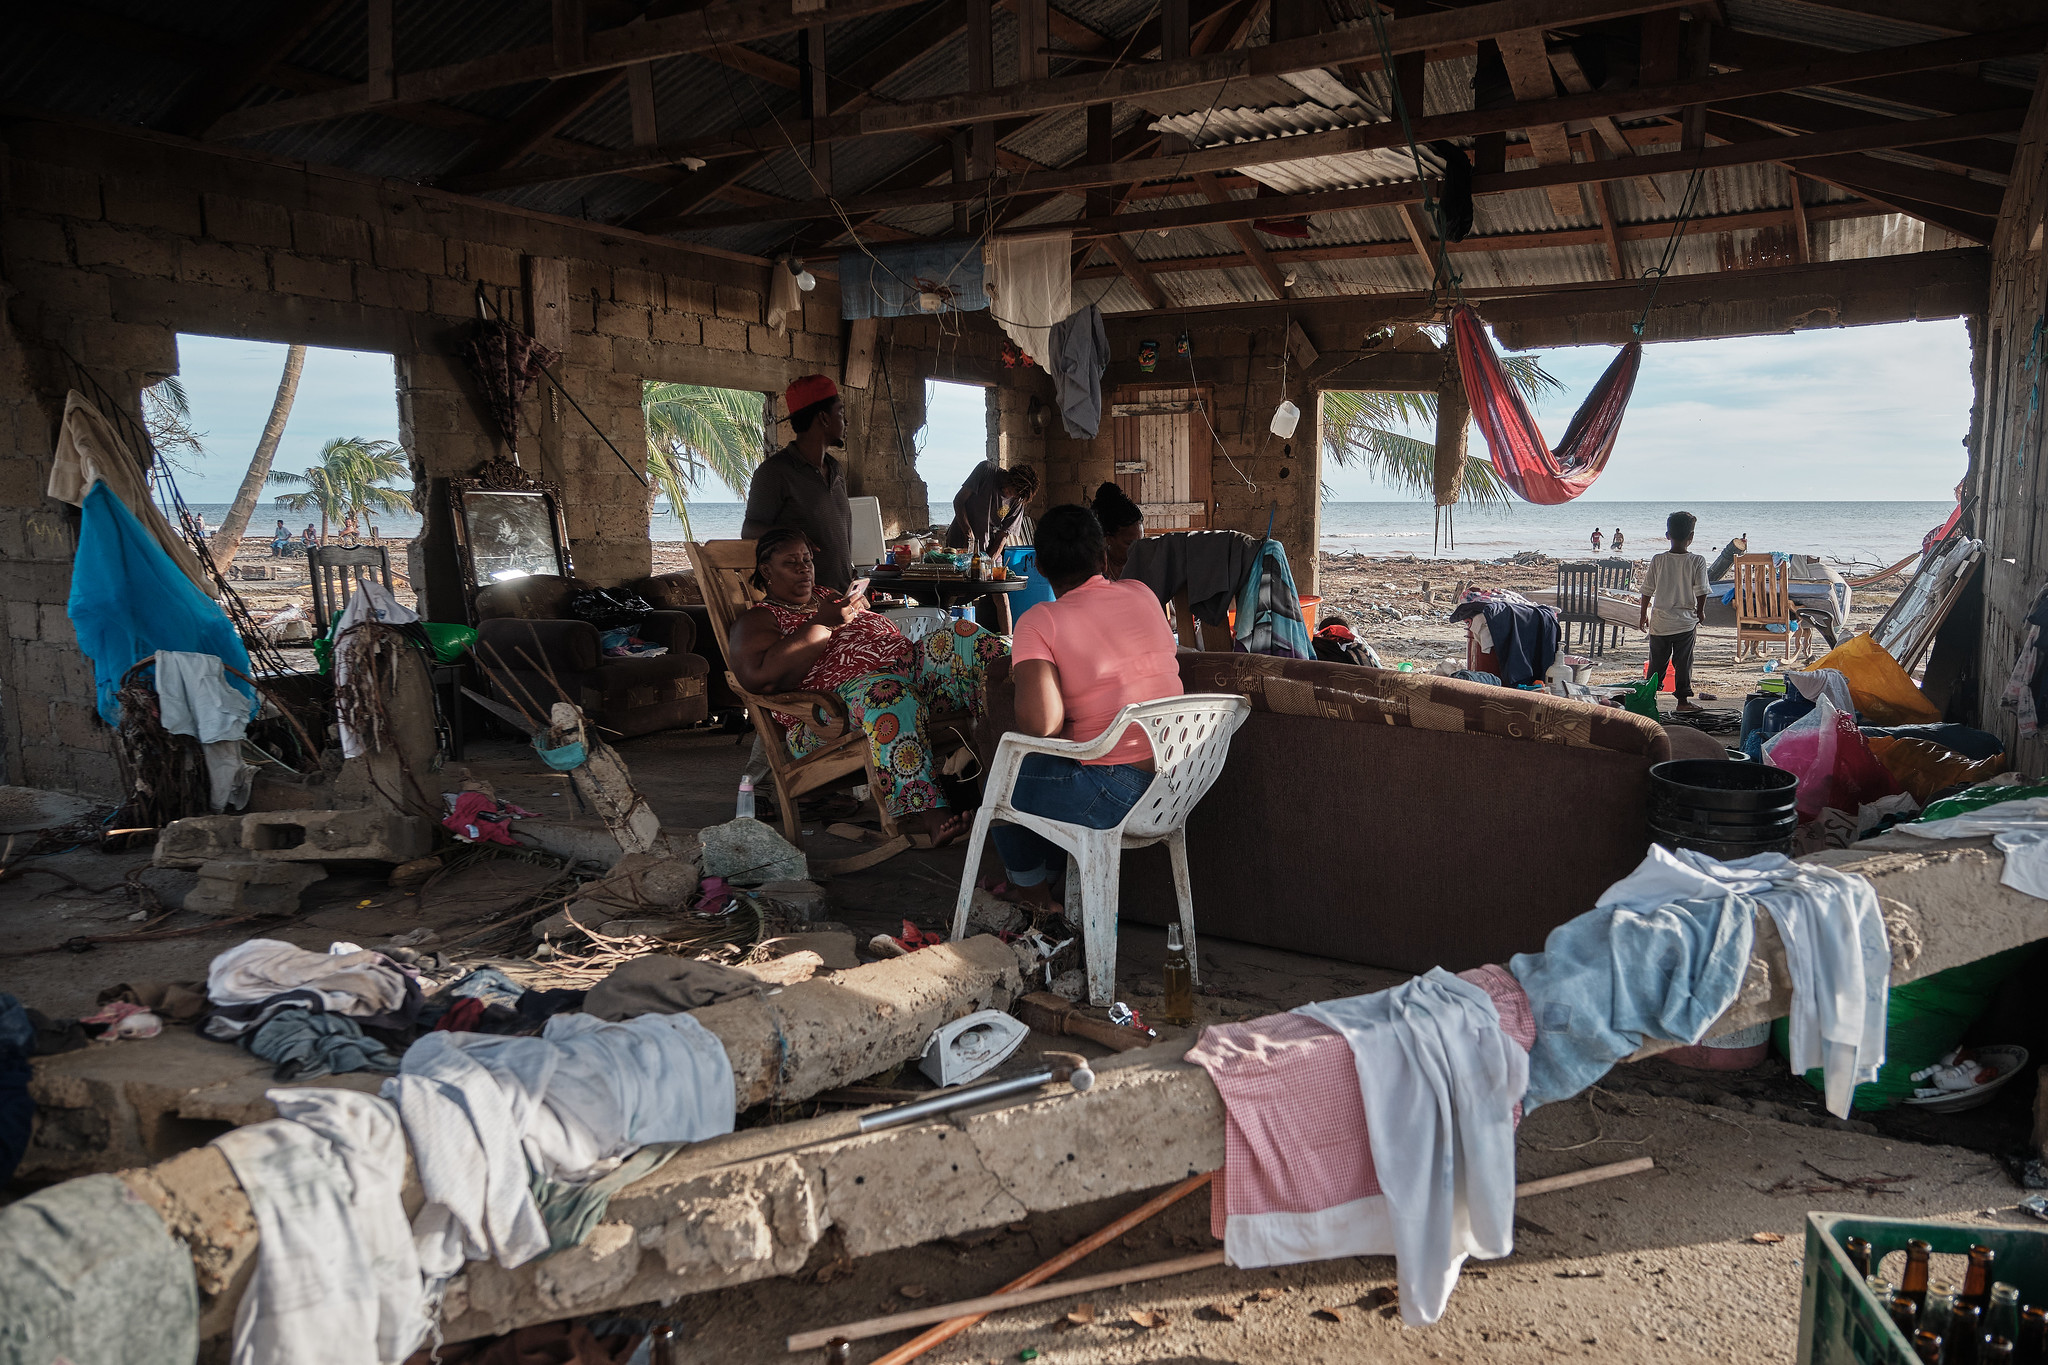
pixel 1723 808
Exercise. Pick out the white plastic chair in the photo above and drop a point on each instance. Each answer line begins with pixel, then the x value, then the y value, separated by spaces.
pixel 1190 739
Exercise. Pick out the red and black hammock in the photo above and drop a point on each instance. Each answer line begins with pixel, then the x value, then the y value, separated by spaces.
pixel 1529 467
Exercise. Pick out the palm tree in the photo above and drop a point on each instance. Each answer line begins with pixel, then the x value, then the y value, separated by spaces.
pixel 229 538
pixel 1361 427
pixel 693 431
pixel 347 481
pixel 167 417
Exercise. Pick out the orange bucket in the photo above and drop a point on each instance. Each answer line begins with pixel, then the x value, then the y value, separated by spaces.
pixel 1309 605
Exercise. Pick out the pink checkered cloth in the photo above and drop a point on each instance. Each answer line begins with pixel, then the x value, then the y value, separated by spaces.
pixel 1294 1122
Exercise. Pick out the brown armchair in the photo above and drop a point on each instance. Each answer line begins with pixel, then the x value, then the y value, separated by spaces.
pixel 525 632
pixel 681 592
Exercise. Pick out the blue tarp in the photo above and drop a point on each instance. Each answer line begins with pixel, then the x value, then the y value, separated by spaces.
pixel 129 599
pixel 884 281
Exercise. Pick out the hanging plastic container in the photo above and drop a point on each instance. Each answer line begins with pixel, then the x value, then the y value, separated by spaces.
pixel 1286 418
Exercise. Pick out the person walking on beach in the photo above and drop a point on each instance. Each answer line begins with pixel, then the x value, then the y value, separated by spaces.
pixel 1617 540
pixel 1596 540
pixel 1674 603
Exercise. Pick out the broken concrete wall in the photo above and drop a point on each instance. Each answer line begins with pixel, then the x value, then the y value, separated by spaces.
pixel 2007 474
pixel 114 241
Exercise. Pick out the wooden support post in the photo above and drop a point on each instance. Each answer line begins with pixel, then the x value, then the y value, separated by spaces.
pixel 1175 34
pixel 1101 151
pixel 962 172
pixel 569 30
pixel 817 103
pixel 547 300
pixel 1453 424
pixel 981 76
pixel 383 83
pixel 1802 246
pixel 1034 34
pixel 640 94
pixel 1693 135
pixel 1418 235
pixel 1410 68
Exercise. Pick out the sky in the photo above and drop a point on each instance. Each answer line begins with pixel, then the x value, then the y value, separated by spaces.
pixel 231 385
pixel 1842 414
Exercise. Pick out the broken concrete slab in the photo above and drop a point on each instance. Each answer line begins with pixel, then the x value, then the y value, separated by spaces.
pixel 25 810
pixel 749 853
pixel 367 835
pixel 835 947
pixel 251 886
pixel 603 781
pixel 803 901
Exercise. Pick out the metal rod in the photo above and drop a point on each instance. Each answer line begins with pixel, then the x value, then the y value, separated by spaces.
pixel 955 1099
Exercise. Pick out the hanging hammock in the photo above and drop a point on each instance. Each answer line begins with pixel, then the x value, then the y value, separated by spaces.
pixel 1530 468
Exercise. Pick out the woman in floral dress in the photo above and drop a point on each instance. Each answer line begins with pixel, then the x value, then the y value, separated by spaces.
pixel 804 636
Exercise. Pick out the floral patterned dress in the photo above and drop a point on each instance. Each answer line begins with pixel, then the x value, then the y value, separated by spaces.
pixel 889 686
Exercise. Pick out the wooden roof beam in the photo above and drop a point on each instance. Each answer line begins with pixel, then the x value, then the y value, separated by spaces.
pixel 229 78
pixel 1529 74
pixel 1801 114
pixel 1037 98
pixel 1137 81
pixel 1519 241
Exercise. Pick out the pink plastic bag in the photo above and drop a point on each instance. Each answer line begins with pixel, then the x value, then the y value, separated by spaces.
pixel 1833 762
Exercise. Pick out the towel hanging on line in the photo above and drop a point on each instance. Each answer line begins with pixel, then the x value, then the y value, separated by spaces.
pixel 1525 463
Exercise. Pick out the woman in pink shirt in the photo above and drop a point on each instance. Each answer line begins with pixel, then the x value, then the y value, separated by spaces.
pixel 1076 661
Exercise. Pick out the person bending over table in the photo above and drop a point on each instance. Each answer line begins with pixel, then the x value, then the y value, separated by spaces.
pixel 988 505
pixel 1123 525
pixel 1076 661
pixel 805 636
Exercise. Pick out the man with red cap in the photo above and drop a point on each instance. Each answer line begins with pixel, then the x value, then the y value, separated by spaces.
pixel 803 486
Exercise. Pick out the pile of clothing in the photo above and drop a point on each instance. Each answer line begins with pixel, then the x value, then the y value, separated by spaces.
pixel 313 1014
pixel 1522 634
pixel 1384 1124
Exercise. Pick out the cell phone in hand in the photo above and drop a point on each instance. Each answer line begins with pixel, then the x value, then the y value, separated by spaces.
pixel 859 588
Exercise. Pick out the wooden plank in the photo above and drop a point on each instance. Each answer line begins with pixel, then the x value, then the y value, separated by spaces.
pixel 1794 113
pixel 1418 237
pixel 1814 149
pixel 1034 61
pixel 1575 81
pixel 811 47
pixel 1156 407
pixel 1247 240
pixel 383 79
pixel 1299 348
pixel 1524 241
pixel 860 353
pixel 640 97
pixel 1801 235
pixel 1529 74
pixel 981 76
pixel 1603 208
pixel 569 31
pixel 1693 123
pixel 547 300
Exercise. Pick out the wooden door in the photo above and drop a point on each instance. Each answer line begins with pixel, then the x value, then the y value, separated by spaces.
pixel 1162 444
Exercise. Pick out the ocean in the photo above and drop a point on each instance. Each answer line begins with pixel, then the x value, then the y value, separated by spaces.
pixel 1867 533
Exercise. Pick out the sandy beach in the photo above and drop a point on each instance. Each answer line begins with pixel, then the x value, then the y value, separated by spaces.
pixel 1400 605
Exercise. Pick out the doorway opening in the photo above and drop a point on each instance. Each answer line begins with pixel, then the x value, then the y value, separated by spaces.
pixel 959 434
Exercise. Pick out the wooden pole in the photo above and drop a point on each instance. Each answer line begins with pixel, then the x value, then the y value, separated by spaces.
pixel 955 1318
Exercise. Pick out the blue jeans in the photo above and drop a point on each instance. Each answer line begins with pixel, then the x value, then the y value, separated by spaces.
pixel 1091 795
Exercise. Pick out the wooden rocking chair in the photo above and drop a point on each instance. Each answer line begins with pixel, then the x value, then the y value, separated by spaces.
pixel 1764 611
pixel 724 570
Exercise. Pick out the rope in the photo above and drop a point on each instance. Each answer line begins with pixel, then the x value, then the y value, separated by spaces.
pixel 1430 204
pixel 1688 206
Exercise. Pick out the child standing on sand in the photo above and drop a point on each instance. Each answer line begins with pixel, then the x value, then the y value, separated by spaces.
pixel 1674 603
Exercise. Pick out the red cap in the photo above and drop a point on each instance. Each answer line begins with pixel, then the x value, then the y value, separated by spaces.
pixel 812 388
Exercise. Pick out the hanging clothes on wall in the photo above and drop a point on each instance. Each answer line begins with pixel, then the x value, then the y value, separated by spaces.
pixel 1524 461
pixel 88 449
pixel 890 280
pixel 1080 354
pixel 129 599
pixel 1269 619
pixel 1030 287
pixel 196 699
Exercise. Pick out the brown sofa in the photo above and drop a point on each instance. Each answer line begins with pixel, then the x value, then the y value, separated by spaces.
pixel 680 592
pixel 1400 820
pixel 526 622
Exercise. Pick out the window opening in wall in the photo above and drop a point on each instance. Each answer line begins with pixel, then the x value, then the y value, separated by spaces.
pixel 953 441
pixel 279 449
pixel 703 445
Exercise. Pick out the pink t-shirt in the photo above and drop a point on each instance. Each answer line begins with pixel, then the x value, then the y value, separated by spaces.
pixel 1112 646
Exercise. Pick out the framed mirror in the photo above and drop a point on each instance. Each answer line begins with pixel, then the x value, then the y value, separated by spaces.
pixel 507 525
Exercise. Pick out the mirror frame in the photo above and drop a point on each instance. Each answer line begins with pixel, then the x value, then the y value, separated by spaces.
pixel 503 476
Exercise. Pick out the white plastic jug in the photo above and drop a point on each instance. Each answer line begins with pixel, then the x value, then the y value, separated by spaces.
pixel 1285 418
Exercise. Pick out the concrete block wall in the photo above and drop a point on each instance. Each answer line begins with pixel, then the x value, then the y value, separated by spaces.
pixel 1253 474
pixel 114 241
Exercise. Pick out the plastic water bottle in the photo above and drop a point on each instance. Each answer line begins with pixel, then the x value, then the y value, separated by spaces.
pixel 746 803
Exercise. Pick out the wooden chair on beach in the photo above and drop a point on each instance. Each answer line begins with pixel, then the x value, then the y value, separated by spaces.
pixel 336 570
pixel 1764 612
pixel 725 569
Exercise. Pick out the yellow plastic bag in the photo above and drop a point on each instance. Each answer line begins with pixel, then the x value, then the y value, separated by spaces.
pixel 1923 768
pixel 1882 691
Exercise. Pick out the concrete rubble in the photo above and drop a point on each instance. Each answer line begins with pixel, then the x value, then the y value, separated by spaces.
pixel 757 1203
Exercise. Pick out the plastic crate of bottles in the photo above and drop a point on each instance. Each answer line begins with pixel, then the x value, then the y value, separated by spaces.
pixel 1841 1321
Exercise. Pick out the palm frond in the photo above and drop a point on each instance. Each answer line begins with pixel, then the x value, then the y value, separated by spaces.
pixel 694 431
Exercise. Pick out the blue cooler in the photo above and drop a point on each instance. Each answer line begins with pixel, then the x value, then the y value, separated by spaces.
pixel 1022 561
